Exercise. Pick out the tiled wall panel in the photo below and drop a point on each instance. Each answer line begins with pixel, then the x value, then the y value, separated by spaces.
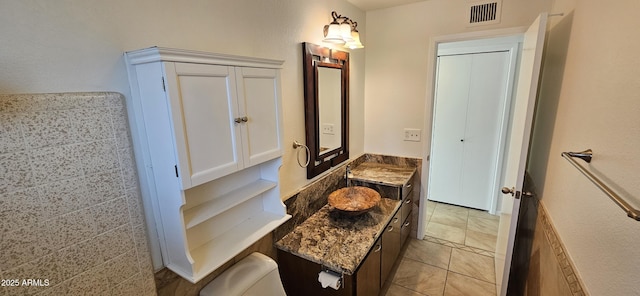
pixel 70 207
pixel 551 272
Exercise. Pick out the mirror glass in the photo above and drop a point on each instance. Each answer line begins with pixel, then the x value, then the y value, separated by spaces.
pixel 326 102
pixel 329 108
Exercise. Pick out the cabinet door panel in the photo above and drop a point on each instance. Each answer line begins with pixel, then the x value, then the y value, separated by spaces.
pixel 300 277
pixel 204 109
pixel 390 246
pixel 368 275
pixel 258 93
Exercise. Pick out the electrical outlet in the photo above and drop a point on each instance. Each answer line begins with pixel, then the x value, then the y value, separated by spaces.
pixel 327 128
pixel 412 134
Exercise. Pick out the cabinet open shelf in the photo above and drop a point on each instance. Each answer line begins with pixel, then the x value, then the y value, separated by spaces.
pixel 205 211
pixel 224 247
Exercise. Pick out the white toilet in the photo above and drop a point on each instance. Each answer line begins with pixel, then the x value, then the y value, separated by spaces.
pixel 256 274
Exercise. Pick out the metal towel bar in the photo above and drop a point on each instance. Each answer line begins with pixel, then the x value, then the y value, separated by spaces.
pixel 586 156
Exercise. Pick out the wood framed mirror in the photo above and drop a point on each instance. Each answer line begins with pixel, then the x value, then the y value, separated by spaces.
pixel 326 102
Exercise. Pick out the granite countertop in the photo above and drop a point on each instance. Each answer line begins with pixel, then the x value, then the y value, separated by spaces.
pixel 337 241
pixel 385 174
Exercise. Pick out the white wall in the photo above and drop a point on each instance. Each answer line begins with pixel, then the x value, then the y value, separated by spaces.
pixel 398 44
pixel 589 99
pixel 76 45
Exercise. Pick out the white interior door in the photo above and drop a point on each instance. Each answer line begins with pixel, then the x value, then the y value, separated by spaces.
pixel 518 146
pixel 470 101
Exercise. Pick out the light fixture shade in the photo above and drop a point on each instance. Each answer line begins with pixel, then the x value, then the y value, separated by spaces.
pixel 356 41
pixel 345 32
pixel 332 33
pixel 342 30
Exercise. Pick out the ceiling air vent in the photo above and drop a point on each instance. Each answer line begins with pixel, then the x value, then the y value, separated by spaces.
pixel 484 13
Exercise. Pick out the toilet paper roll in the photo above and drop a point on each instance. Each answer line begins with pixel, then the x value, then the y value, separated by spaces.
pixel 328 279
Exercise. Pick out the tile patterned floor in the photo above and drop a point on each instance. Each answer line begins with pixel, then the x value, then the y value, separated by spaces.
pixel 455 258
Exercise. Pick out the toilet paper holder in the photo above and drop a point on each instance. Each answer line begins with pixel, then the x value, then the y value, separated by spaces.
pixel 335 273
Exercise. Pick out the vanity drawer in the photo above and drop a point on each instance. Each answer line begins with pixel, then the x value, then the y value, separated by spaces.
pixel 406 208
pixel 405 231
pixel 407 188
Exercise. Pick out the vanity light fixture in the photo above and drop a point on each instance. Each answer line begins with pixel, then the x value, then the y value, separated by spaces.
pixel 342 30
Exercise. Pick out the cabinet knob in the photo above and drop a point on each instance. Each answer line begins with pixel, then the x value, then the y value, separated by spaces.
pixel 378 248
pixel 238 120
pixel 390 228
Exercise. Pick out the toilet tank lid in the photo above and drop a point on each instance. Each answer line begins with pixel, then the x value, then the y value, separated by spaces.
pixel 241 276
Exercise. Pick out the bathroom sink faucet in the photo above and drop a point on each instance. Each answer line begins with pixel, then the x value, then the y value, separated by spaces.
pixel 347 174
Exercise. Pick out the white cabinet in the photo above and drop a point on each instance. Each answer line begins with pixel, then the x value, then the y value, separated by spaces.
pixel 224 118
pixel 208 145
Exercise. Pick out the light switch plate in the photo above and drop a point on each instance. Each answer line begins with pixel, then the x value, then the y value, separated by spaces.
pixel 327 128
pixel 412 134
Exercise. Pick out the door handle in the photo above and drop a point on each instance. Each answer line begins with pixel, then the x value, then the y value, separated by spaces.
pixel 507 190
pixel 514 193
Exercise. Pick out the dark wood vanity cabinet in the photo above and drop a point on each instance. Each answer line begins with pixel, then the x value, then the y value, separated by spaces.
pixel 300 276
pixel 402 192
pixel 362 249
pixel 393 182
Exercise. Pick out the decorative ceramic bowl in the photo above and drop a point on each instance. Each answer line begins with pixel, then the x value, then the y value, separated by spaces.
pixel 354 200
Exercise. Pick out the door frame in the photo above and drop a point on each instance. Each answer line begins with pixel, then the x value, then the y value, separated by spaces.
pixel 430 101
